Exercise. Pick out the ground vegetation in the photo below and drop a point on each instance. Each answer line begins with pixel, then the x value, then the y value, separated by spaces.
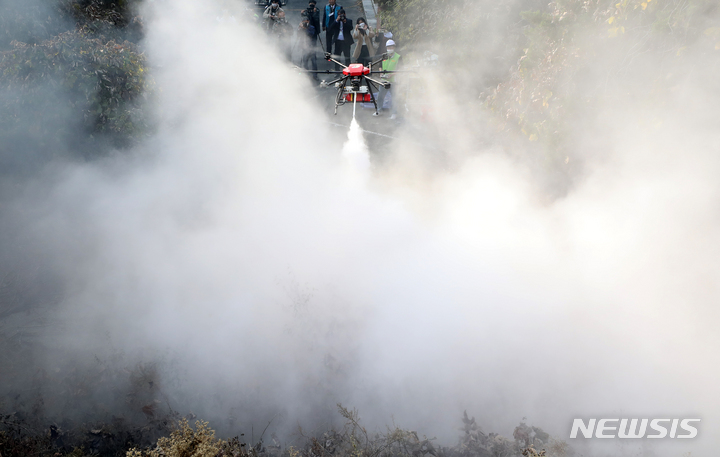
pixel 172 435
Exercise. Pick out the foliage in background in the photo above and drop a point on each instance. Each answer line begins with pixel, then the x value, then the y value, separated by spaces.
pixel 72 79
pixel 633 47
pixel 98 83
pixel 34 21
pixel 478 40
pixel 418 21
pixel 545 70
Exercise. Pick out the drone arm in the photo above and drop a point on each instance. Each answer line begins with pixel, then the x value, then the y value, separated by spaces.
pixel 383 57
pixel 329 58
pixel 295 67
pixel 330 72
pixel 384 84
pixel 329 83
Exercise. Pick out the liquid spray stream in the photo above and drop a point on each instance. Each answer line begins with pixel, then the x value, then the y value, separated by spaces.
pixel 355 150
pixel 354 105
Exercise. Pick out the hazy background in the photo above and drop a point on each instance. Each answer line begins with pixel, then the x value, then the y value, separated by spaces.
pixel 230 267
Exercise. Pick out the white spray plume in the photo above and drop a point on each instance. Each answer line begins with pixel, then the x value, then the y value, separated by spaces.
pixel 355 151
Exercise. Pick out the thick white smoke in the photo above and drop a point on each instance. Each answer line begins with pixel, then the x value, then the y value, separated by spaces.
pixel 255 262
pixel 355 151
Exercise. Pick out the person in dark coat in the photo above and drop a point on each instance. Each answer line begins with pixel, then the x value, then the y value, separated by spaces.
pixel 341 31
pixel 381 38
pixel 313 15
pixel 307 43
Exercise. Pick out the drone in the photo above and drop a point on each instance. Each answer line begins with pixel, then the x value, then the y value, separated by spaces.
pixel 355 84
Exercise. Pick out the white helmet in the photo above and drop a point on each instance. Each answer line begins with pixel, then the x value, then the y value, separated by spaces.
pixel 390 43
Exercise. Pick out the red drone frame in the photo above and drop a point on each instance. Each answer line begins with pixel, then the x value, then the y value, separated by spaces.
pixel 355 84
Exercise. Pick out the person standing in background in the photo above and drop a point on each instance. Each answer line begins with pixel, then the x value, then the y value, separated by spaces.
pixel 341 32
pixel 271 14
pixel 282 31
pixel 307 43
pixel 381 37
pixel 363 35
pixel 329 18
pixel 313 15
pixel 389 64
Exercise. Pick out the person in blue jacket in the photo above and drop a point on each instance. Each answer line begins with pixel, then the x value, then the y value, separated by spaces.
pixel 329 17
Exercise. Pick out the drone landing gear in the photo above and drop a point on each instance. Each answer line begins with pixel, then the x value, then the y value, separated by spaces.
pixel 377 111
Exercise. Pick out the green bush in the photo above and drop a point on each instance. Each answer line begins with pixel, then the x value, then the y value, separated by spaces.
pixel 74 84
pixel 70 81
pixel 184 442
pixel 631 45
